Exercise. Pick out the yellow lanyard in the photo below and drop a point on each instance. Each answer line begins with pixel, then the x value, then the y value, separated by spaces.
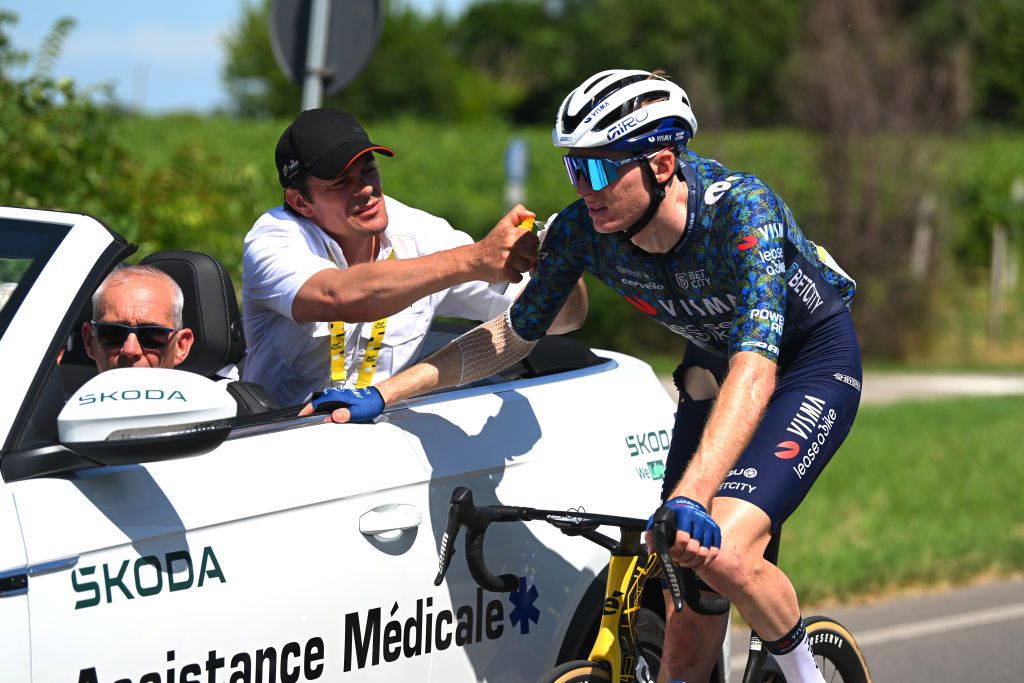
pixel 337 351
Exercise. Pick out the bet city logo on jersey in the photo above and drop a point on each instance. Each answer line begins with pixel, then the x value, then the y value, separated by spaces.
pixel 812 425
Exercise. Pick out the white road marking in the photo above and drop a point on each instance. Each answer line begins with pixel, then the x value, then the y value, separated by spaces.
pixel 930 627
pixel 920 629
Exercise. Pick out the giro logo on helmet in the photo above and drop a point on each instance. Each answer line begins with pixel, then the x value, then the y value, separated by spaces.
pixel 624 101
pixel 627 124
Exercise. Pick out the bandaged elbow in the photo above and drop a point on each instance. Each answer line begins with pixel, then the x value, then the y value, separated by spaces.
pixel 490 348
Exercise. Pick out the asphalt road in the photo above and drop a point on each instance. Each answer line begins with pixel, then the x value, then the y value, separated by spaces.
pixel 965 634
pixel 889 387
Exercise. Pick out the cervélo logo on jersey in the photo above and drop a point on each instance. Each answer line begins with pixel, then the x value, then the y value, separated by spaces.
pixel 811 424
pixel 384 635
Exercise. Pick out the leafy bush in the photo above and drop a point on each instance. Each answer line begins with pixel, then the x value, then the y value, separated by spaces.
pixel 60 144
pixel 185 182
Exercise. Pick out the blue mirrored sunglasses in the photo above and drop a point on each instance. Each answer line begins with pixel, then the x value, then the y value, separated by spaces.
pixel 598 172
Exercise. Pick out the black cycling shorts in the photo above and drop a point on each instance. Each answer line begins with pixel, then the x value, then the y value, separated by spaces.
pixel 808 417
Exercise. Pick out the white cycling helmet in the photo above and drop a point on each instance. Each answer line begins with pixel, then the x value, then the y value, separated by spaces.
pixel 623 109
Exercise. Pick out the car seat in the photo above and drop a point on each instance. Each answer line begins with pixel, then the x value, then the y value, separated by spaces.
pixel 211 311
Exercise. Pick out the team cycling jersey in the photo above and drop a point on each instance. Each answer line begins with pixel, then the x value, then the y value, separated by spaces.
pixel 742 278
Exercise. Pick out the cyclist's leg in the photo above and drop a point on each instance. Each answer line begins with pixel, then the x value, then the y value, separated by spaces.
pixel 757 588
pixel 806 421
pixel 809 416
pixel 760 591
pixel 692 641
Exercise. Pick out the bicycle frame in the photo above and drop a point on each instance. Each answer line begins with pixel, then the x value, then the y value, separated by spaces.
pixel 617 647
pixel 616 643
pixel 629 568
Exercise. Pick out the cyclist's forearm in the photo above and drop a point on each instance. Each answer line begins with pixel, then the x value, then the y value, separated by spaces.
pixel 483 351
pixel 736 414
pixel 439 371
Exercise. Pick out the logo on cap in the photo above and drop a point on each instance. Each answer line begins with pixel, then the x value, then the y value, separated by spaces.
pixel 289 168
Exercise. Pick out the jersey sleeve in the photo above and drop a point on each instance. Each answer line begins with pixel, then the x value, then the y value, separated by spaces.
pixel 276 262
pixel 559 265
pixel 755 248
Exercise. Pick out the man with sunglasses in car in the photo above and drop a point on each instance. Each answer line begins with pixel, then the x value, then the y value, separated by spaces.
pixel 770 380
pixel 136 321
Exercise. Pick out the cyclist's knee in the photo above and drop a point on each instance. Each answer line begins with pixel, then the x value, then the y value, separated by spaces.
pixel 734 571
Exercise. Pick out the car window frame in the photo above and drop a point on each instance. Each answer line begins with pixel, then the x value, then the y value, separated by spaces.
pixel 41 403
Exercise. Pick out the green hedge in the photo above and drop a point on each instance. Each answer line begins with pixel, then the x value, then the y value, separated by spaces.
pixel 199 183
pixel 216 175
pixel 187 182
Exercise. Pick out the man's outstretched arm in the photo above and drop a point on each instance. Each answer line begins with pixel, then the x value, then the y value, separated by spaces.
pixel 370 291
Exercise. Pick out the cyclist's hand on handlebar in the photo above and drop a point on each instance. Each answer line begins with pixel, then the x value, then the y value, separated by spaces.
pixel 348 405
pixel 698 537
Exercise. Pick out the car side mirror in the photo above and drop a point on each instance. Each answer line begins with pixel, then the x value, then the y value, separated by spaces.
pixel 135 415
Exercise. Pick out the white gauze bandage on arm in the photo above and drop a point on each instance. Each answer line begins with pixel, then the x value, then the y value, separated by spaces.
pixel 490 348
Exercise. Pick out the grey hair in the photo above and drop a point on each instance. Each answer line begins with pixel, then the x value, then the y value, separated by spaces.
pixel 126 273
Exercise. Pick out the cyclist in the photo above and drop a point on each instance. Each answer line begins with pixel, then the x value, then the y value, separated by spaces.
pixel 770 380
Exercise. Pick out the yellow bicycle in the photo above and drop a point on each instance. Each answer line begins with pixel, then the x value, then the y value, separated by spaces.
pixel 617 656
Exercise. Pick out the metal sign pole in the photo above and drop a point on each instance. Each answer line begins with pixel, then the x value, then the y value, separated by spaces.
pixel 321 45
pixel 316 54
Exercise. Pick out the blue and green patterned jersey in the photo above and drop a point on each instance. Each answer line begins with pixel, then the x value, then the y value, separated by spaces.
pixel 742 278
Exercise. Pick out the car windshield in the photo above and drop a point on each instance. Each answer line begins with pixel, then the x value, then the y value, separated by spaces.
pixel 25 247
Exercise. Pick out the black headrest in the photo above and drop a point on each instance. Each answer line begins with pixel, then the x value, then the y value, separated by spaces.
pixel 211 310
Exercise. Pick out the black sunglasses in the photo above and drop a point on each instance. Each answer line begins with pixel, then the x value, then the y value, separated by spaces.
pixel 116 334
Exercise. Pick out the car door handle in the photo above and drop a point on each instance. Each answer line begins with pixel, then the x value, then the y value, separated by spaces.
pixel 388 522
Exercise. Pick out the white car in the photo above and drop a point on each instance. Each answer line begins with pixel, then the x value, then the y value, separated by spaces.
pixel 159 527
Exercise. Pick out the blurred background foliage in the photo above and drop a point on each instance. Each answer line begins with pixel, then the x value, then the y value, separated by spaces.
pixel 892 128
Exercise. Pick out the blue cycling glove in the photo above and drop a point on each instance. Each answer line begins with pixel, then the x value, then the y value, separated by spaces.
pixel 694 519
pixel 364 405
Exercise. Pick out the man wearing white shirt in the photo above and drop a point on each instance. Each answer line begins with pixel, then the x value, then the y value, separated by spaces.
pixel 340 283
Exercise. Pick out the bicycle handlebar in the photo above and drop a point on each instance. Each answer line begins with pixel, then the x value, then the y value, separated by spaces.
pixel 463 513
pixel 664 528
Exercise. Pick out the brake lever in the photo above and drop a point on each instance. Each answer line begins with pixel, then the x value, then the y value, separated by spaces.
pixel 451 532
pixel 663 520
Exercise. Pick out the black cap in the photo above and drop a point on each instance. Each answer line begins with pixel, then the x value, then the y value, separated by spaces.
pixel 321 143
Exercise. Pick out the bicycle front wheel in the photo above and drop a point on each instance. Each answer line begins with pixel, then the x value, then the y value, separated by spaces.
pixel 579 671
pixel 837 654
